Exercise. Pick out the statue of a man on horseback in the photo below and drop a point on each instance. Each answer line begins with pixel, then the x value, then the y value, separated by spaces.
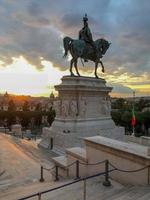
pixel 85 48
pixel 86 35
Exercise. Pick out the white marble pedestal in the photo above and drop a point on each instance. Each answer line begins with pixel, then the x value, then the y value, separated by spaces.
pixel 82 109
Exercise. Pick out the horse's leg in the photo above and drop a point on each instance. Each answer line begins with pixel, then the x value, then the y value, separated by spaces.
pixel 71 64
pixel 96 66
pixel 103 69
pixel 76 67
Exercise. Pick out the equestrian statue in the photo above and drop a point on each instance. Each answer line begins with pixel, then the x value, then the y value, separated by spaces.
pixel 85 48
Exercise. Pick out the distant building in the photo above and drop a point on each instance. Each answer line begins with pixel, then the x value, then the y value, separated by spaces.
pixel 4 101
pixel 35 103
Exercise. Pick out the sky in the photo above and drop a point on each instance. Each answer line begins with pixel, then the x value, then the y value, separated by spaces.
pixel 31 43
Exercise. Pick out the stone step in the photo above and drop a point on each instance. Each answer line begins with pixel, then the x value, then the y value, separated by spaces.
pixel 112 193
pixel 132 194
pixel 5 183
pixel 78 153
pixel 144 192
pixel 145 197
pixel 96 191
pixel 44 144
pixel 60 161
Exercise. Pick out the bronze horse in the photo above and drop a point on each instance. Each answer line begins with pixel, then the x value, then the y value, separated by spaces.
pixel 81 49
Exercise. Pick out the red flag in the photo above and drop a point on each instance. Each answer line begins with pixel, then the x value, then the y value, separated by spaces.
pixel 133 121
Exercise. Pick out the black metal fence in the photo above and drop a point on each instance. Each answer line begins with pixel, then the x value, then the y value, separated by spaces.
pixel 78 178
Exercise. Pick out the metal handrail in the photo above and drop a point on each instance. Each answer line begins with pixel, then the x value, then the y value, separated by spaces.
pixel 65 185
pixel 78 178
pixel 129 171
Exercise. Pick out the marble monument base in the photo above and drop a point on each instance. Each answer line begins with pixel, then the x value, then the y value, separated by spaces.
pixel 82 109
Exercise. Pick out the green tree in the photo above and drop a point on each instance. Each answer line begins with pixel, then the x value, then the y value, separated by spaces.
pixel 38 118
pixel 38 107
pixel 25 118
pixel 26 106
pixel 11 117
pixel 11 106
pixel 51 116
pixel 145 117
pixel 116 116
pixel 119 104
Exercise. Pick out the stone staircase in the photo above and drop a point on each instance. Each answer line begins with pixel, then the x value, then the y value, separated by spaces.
pixel 123 155
pixel 67 163
pixel 96 191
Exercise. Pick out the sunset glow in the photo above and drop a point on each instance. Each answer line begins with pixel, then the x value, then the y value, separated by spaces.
pixel 20 77
pixel 31 44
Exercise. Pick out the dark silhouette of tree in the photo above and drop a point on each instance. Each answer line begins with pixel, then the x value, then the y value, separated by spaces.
pixel 38 107
pixel 26 106
pixel 51 116
pixel 11 106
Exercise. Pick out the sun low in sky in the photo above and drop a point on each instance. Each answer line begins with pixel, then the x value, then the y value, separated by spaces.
pixel 31 45
pixel 21 77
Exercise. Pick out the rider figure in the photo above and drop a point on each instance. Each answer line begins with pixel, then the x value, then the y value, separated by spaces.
pixel 86 35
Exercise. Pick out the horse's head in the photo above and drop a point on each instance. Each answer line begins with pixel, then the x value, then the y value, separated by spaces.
pixel 103 45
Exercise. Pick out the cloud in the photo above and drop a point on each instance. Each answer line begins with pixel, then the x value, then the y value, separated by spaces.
pixel 121 90
pixel 34 29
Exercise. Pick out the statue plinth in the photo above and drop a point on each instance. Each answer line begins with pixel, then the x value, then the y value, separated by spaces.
pixel 82 109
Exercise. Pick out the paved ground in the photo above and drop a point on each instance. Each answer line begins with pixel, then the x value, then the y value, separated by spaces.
pixel 20 161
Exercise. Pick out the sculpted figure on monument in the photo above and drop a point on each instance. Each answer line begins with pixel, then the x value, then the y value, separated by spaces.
pixel 85 48
pixel 100 106
pixel 82 108
pixel 109 105
pixel 86 35
pixel 73 108
pixel 104 108
pixel 65 108
pixel 57 107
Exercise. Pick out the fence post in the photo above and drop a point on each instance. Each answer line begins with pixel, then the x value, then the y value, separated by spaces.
pixel 56 173
pixel 148 178
pixel 107 182
pixel 41 179
pixel 77 169
pixel 84 189
pixel 51 143
pixel 39 196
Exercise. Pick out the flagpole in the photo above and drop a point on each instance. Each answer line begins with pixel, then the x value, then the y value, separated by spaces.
pixel 133 129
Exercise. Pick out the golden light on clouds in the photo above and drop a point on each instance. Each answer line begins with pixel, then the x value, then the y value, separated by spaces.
pixel 21 77
pixel 141 84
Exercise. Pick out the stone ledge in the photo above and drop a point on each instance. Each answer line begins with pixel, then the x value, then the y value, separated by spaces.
pixel 103 118
pixel 60 161
pixel 78 153
pixel 79 79
pixel 130 151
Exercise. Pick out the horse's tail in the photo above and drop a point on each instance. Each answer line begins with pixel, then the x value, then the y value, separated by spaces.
pixel 66 41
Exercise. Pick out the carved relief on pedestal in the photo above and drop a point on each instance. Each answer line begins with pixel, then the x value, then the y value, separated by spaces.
pixel 65 108
pixel 73 111
pixel 109 105
pixel 105 106
pixel 83 106
pixel 57 107
pixel 100 109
